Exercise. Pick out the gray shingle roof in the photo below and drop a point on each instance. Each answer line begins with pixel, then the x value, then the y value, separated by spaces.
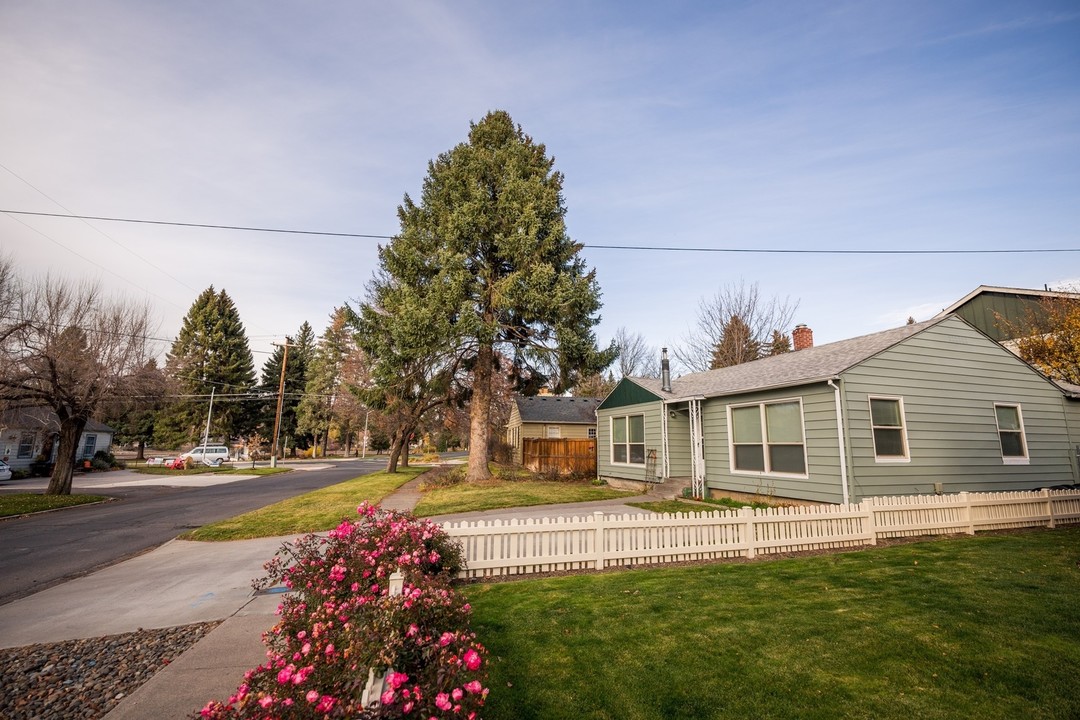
pixel 36 418
pixel 563 410
pixel 813 364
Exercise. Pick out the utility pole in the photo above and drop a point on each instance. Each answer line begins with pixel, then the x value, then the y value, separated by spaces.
pixel 280 401
pixel 209 413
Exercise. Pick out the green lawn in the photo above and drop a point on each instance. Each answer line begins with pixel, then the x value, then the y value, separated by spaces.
pixel 468 497
pixel 983 627
pixel 311 512
pixel 22 503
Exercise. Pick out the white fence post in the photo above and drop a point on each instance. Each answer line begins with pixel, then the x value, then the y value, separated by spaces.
pixel 1049 506
pixel 969 516
pixel 598 538
pixel 373 690
pixel 871 521
pixel 748 530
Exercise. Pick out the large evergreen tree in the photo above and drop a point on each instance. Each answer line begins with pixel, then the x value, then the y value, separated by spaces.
pixel 210 352
pixel 315 412
pixel 737 345
pixel 485 254
pixel 300 351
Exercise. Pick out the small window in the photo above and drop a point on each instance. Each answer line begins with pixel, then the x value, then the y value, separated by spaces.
pixel 1010 425
pixel 88 447
pixel 890 435
pixel 628 439
pixel 554 431
pixel 768 438
pixel 592 433
pixel 26 446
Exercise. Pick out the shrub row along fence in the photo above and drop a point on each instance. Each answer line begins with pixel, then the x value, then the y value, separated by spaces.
pixel 598 541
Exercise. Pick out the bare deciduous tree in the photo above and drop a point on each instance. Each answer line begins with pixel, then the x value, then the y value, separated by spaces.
pixel 66 347
pixel 637 358
pixel 761 315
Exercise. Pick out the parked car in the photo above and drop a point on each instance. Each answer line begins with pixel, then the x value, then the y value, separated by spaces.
pixel 208 454
pixel 5 471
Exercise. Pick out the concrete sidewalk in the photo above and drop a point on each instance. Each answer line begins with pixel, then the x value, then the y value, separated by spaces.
pixel 185 582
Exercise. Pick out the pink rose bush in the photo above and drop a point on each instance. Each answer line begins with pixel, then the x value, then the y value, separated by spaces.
pixel 341 622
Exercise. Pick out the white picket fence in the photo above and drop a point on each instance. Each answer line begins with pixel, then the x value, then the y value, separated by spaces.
pixel 598 541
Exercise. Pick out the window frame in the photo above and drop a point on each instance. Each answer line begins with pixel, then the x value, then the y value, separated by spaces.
pixel 762 419
pixel 885 459
pixel 25 450
pixel 627 444
pixel 1024 459
pixel 553 432
pixel 88 449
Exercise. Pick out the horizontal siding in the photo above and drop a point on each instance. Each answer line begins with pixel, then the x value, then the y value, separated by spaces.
pixel 822 447
pixel 949 377
pixel 679 443
pixel 604 466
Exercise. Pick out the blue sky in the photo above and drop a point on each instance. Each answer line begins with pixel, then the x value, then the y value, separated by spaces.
pixel 800 125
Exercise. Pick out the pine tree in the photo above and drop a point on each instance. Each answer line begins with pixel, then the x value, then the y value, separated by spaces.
pixel 737 345
pixel 485 258
pixel 780 343
pixel 211 351
pixel 301 349
pixel 315 413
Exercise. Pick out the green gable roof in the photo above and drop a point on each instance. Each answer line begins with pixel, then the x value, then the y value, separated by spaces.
pixel 627 392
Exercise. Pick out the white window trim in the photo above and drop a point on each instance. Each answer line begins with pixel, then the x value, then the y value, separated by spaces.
pixel 765 440
pixel 553 432
pixel 1013 460
pixel 611 440
pixel 889 459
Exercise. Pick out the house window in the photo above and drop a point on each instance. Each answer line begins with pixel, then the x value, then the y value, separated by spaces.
pixel 26 446
pixel 554 431
pixel 628 439
pixel 1010 424
pixel 592 433
pixel 88 446
pixel 767 438
pixel 890 435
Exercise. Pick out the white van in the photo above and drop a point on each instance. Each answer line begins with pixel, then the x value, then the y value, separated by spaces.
pixel 208 454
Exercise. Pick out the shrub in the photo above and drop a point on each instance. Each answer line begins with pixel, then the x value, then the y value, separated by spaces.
pixel 342 623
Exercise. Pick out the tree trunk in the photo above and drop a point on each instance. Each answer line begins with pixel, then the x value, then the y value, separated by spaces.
pixel 70 432
pixel 479 412
pixel 140 453
pixel 395 452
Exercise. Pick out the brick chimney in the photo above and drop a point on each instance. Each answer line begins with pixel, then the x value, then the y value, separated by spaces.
pixel 802 337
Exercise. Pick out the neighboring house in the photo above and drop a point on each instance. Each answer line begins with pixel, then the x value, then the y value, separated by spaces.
pixel 936 406
pixel 986 306
pixel 30 433
pixel 550 416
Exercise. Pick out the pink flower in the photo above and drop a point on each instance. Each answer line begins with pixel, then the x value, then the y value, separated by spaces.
pixel 330 649
pixel 397 679
pixel 387 697
pixel 325 704
pixel 472 659
pixel 285 675
pixel 413 629
pixel 266 701
pixel 445 639
pixel 407 707
pixel 311 696
pixel 442 701
pixel 457 694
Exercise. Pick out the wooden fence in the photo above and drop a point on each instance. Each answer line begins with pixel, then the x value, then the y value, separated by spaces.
pixel 599 541
pixel 563 456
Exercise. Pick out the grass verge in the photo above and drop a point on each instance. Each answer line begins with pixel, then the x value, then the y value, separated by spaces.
pixel 22 503
pixel 671 506
pixel 984 627
pixel 315 511
pixel 505 491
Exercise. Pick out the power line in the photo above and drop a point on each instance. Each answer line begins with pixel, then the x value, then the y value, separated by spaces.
pixel 592 246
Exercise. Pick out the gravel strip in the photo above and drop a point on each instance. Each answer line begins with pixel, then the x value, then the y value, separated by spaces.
pixel 87 678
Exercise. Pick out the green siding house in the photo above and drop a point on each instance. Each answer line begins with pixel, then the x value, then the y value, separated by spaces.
pixel 936 406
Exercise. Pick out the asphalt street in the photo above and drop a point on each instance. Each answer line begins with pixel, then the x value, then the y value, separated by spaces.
pixel 42 550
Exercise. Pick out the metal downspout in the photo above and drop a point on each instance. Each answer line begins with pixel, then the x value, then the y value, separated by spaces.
pixel 665 468
pixel 840 440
